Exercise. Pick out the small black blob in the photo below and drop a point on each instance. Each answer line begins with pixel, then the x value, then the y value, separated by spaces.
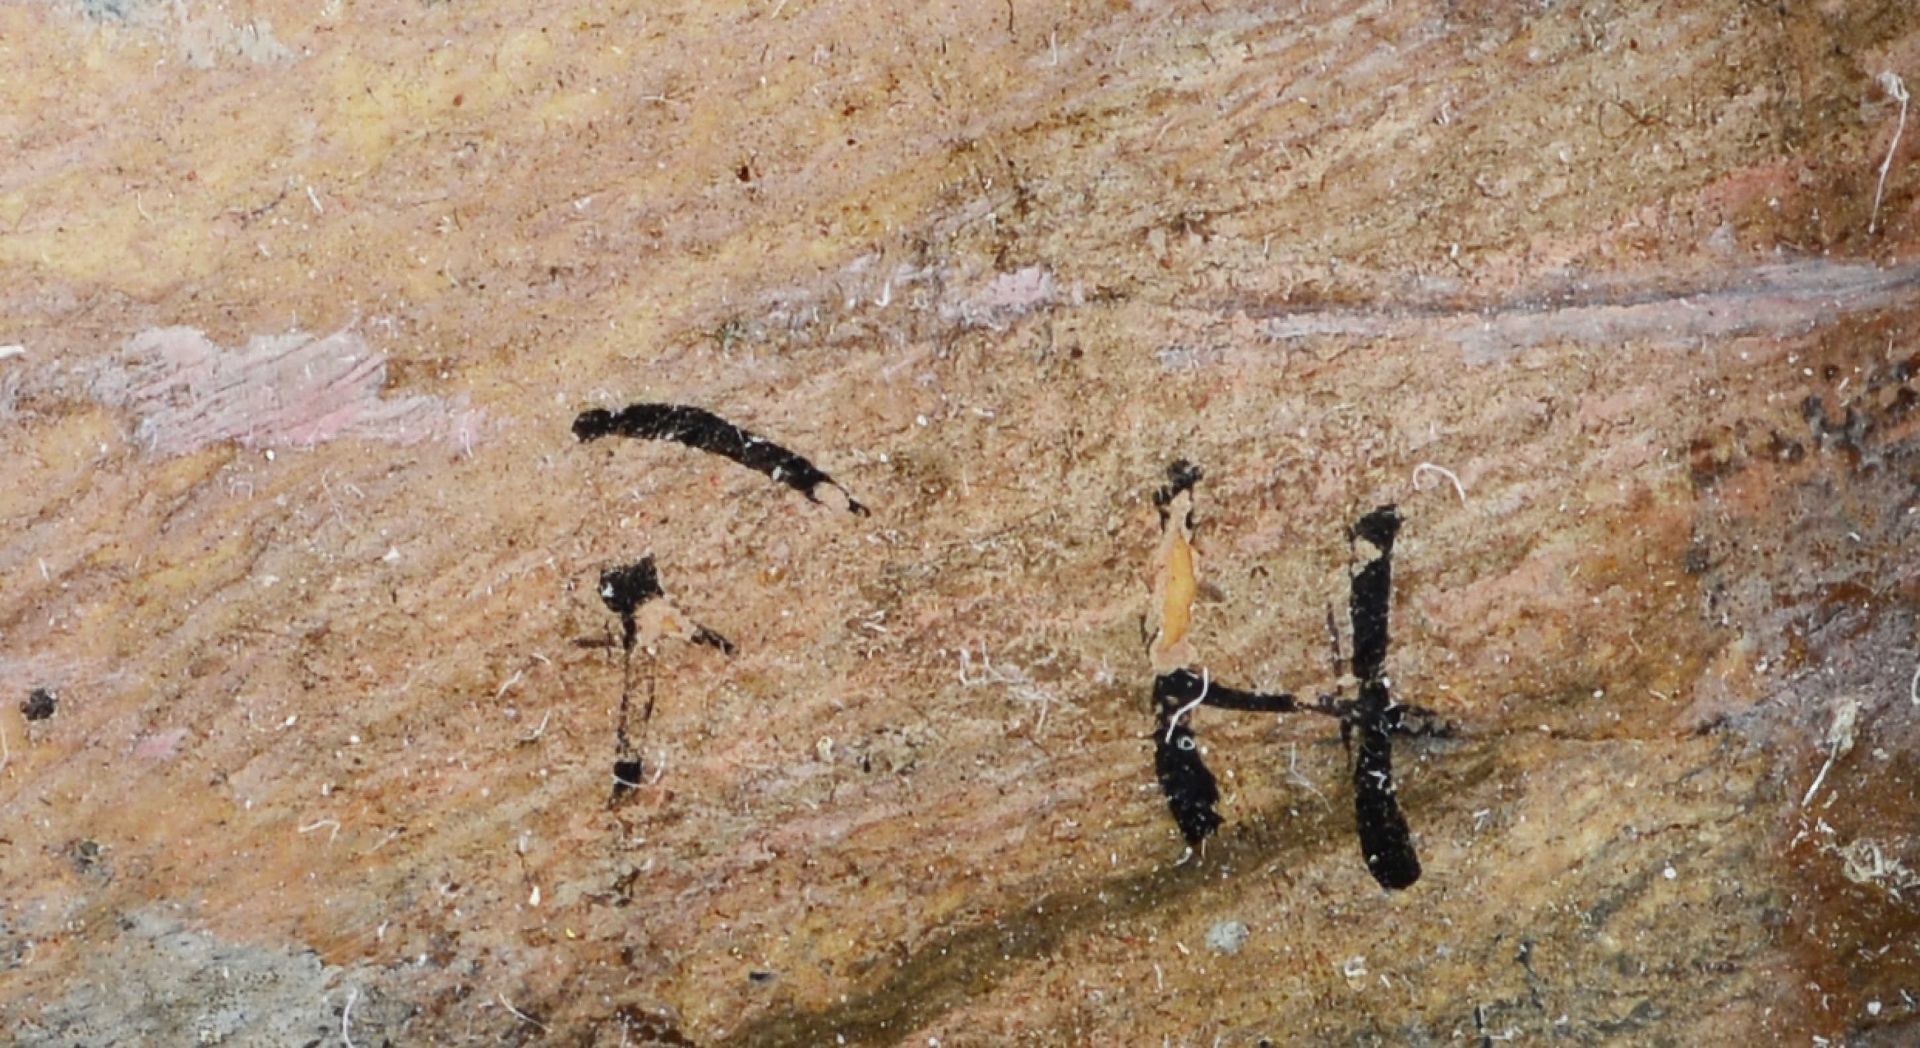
pixel 1379 527
pixel 1181 476
pixel 624 589
pixel 626 775
pixel 593 424
pixel 39 705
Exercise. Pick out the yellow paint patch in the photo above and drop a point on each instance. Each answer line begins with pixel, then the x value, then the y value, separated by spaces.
pixel 189 576
pixel 1176 582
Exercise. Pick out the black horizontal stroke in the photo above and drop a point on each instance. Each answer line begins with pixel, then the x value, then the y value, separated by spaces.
pixel 705 431
pixel 1399 718
pixel 1183 686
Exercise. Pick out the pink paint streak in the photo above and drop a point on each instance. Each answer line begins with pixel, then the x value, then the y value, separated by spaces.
pixel 280 391
pixel 160 746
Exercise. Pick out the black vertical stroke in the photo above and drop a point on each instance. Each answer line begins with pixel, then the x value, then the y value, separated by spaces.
pixel 1192 793
pixel 1385 841
pixel 705 431
pixel 1372 594
pixel 624 590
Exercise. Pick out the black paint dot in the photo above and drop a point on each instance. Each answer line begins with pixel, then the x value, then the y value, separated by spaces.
pixel 626 775
pixel 40 704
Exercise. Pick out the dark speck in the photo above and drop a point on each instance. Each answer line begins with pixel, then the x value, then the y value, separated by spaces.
pixel 626 775
pixel 39 705
pixel 759 978
pixel 1699 559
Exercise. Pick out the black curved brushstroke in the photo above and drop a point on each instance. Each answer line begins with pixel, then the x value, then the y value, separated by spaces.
pixel 1385 841
pixel 1191 790
pixel 703 430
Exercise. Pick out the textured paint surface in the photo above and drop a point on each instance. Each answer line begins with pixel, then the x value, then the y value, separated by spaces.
pixel 183 393
pixel 335 706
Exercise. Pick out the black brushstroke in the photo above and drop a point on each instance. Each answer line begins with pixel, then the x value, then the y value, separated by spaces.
pixel 1385 841
pixel 705 431
pixel 1373 593
pixel 625 589
pixel 40 704
pixel 1183 686
pixel 1398 719
pixel 1193 794
pixel 628 765
pixel 1191 790
pixel 705 636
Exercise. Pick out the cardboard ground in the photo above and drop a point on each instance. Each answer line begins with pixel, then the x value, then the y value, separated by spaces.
pixel 307 297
